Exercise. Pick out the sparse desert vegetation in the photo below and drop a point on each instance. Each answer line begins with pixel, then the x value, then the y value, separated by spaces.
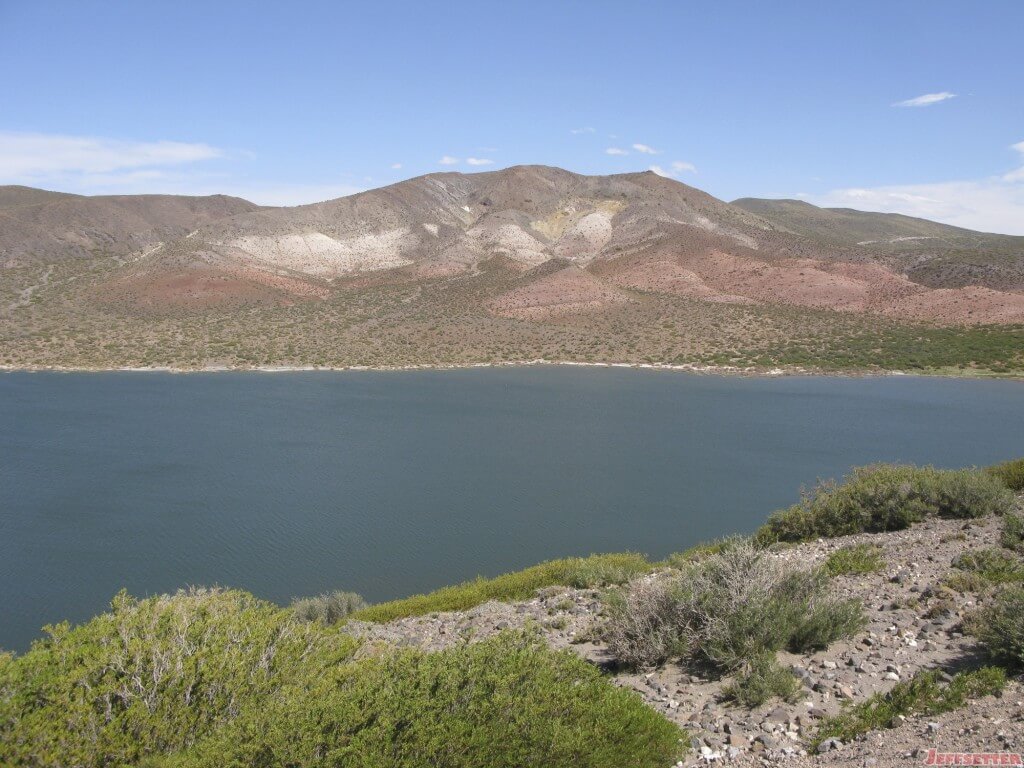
pixel 977 570
pixel 1000 629
pixel 1012 536
pixel 855 559
pixel 925 694
pixel 439 322
pixel 730 611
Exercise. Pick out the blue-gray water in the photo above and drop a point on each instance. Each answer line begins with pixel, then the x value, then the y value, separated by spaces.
pixel 395 483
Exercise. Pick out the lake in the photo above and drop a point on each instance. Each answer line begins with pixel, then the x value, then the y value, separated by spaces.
pixel 391 483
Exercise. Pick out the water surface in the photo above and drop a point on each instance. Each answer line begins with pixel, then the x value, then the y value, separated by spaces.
pixel 390 483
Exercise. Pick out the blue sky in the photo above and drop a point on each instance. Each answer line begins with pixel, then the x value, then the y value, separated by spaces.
pixel 294 102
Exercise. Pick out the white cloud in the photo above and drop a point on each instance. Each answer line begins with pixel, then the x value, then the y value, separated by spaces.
pixel 577 131
pixel 395 166
pixel 677 167
pixel 645 150
pixel 145 182
pixel 615 151
pixel 1017 175
pixel 925 100
pixel 479 161
pixel 39 158
pixel 96 166
pixel 993 204
pixel 449 160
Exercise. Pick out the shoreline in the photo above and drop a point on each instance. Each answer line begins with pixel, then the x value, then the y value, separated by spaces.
pixel 692 368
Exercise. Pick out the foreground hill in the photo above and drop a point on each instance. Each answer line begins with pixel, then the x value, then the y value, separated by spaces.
pixel 888 627
pixel 523 263
pixel 914 624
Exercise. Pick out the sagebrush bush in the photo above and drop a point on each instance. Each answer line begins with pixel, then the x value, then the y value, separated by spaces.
pixel 1012 534
pixel 924 694
pixel 596 570
pixel 646 622
pixel 855 559
pixel 1010 473
pixel 761 680
pixel 886 497
pixel 152 675
pixel 1000 627
pixel 505 702
pixel 727 609
pixel 328 608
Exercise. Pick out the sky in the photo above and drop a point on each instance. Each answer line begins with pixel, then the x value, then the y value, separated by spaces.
pixel 898 106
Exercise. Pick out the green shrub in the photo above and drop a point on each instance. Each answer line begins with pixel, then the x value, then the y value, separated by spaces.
pixel 596 570
pixel 825 620
pixel 885 497
pixel 151 676
pixel 504 702
pixel 219 678
pixel 1010 473
pixel 726 610
pixel 328 608
pixel 924 694
pixel 1012 534
pixel 1000 627
pixel 855 559
pixel 983 568
pixel 761 680
pixel 604 570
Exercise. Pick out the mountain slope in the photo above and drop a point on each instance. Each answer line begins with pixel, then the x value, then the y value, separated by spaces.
pixel 528 213
pixel 933 254
pixel 37 226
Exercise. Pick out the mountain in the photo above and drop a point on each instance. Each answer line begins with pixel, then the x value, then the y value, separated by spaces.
pixel 610 234
pixel 520 263
pixel 38 226
pixel 447 224
pixel 932 254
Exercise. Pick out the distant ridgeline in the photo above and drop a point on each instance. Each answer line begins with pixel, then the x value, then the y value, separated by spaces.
pixel 513 265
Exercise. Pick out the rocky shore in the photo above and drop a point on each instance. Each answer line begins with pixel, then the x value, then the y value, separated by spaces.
pixel 914 624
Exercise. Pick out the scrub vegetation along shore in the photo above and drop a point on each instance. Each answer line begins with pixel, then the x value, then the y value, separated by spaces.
pixel 876 619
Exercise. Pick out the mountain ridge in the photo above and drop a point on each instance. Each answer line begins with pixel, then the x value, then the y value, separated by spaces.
pixel 930 253
pixel 513 258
